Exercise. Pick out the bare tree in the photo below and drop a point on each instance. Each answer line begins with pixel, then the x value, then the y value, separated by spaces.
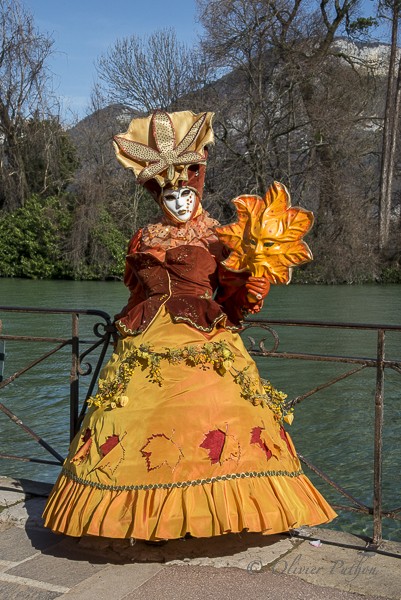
pixel 150 72
pixel 293 106
pixel 274 52
pixel 23 85
pixel 390 9
pixel 108 205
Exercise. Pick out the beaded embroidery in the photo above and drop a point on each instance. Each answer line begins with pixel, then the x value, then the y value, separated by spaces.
pixel 179 484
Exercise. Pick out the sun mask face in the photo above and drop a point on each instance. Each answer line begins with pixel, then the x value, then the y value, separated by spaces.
pixel 267 239
pixel 179 205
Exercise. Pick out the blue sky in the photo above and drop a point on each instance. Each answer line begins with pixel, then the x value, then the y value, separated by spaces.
pixel 84 29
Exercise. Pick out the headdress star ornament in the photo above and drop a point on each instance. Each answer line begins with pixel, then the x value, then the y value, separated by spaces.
pixel 163 146
pixel 267 239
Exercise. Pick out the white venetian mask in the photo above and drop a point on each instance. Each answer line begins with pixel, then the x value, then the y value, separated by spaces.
pixel 179 204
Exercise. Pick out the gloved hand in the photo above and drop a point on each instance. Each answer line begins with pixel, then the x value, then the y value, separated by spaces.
pixel 257 288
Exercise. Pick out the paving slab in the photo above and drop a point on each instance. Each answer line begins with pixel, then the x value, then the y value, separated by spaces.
pixel 62 565
pixel 17 544
pixel 237 551
pixel 344 568
pixel 207 583
pixel 333 536
pixel 15 591
pixel 47 565
pixel 231 550
pixel 29 512
pixel 4 526
pixel 25 486
pixel 391 547
pixel 10 497
pixel 113 582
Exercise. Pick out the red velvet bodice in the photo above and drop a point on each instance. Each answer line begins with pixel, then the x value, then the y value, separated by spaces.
pixel 185 282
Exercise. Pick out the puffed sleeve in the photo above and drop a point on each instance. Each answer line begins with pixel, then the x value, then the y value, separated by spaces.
pixel 130 278
pixel 232 294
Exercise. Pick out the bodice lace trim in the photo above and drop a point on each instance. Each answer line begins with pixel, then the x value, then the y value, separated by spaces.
pixel 165 235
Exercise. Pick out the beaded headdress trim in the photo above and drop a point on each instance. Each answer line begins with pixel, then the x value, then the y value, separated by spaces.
pixel 164 145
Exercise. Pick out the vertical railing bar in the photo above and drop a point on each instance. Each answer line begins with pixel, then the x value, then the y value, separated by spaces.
pixel 74 377
pixel 378 441
pixel 94 379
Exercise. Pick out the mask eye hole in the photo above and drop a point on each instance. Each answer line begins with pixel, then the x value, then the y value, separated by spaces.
pixel 252 242
pixel 185 193
pixel 268 244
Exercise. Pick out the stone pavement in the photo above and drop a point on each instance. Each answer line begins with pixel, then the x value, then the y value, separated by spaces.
pixel 36 564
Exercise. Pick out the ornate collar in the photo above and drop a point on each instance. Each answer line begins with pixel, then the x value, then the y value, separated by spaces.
pixel 165 234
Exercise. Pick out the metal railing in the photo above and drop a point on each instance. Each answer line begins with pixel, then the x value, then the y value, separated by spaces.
pixel 257 349
pixel 379 363
pixel 102 342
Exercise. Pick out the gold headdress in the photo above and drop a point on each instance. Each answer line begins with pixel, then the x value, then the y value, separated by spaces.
pixel 164 145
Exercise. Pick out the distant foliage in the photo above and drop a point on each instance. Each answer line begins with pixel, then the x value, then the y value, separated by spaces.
pixel 34 243
pixel 24 95
pixel 294 99
pixel 31 240
pixel 106 251
pixel 49 156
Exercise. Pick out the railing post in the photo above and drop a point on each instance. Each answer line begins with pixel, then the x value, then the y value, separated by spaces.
pixel 378 449
pixel 2 354
pixel 74 377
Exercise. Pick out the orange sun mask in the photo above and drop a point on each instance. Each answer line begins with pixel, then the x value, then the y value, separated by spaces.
pixel 267 239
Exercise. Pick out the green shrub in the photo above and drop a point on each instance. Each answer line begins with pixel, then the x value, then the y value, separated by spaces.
pixel 35 243
pixel 31 239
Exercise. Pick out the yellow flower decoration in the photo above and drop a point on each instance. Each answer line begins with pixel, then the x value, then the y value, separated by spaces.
pixel 267 239
pixel 288 418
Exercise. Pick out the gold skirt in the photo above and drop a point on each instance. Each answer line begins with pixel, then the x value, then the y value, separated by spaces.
pixel 182 437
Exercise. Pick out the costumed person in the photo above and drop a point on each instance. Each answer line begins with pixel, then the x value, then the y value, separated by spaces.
pixel 183 437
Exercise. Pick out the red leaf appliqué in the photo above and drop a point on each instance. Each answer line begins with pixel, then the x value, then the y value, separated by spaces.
pixel 221 446
pixel 83 451
pixel 256 439
pixel 110 443
pixel 284 437
pixel 214 442
pixel 86 435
